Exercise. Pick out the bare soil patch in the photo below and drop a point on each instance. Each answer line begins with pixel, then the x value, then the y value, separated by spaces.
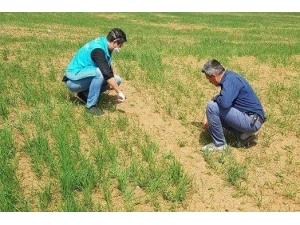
pixel 212 193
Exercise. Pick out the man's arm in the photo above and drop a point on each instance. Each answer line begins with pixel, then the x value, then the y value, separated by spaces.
pixel 228 94
pixel 98 56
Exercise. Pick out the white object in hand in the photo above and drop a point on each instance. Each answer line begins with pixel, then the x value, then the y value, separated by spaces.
pixel 121 97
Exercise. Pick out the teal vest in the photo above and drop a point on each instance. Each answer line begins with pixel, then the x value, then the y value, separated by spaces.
pixel 82 65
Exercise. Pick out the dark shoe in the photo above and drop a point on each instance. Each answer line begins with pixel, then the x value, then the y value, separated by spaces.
pixel 82 97
pixel 247 140
pixel 65 79
pixel 95 111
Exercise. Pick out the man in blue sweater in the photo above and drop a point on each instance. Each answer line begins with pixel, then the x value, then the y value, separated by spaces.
pixel 236 108
pixel 90 71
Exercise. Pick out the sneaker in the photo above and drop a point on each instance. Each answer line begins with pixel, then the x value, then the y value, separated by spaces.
pixel 247 138
pixel 211 147
pixel 95 110
pixel 82 97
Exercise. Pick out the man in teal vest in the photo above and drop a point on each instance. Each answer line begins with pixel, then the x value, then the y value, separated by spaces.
pixel 90 72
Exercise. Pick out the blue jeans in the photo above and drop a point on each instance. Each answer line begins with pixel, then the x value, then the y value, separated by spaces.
pixel 92 86
pixel 231 119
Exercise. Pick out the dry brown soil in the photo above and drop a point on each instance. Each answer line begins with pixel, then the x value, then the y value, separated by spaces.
pixel 212 192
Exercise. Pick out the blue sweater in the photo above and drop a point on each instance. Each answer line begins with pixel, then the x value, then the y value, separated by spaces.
pixel 236 92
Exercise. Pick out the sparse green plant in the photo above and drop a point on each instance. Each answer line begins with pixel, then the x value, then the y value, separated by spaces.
pixel 236 172
pixel 181 143
pixel 45 197
pixel 5 53
pixel 84 163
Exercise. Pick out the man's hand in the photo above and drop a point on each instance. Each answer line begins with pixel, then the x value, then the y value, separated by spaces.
pixel 121 97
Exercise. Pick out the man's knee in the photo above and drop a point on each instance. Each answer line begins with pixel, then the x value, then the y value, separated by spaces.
pixel 212 107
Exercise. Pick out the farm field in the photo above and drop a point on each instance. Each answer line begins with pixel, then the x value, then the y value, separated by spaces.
pixel 144 154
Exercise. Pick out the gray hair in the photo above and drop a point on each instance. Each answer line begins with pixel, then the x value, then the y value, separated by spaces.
pixel 212 67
